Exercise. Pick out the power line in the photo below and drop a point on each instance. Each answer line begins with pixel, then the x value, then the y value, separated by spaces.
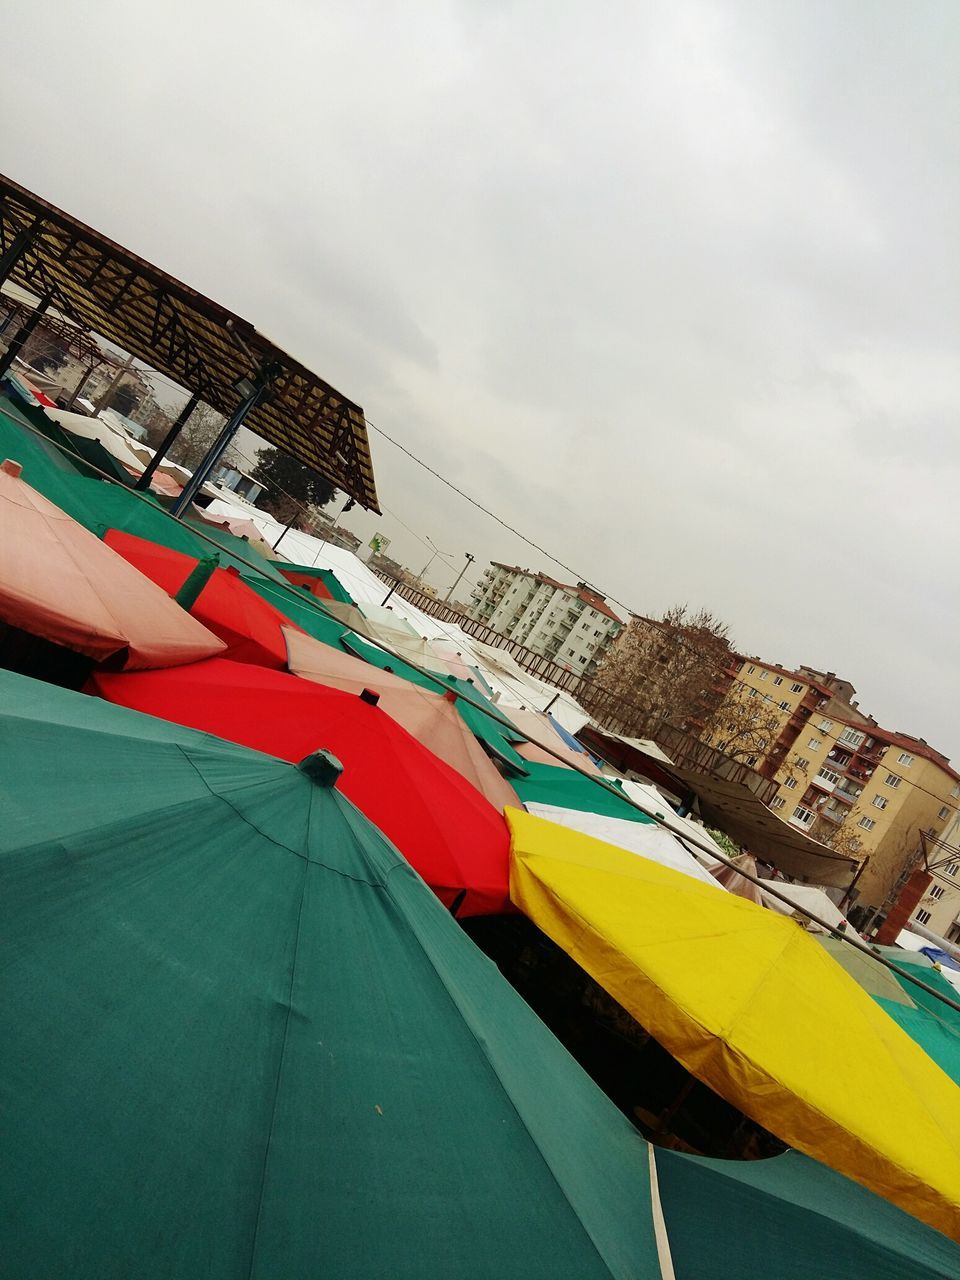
pixel 769 886
pixel 672 634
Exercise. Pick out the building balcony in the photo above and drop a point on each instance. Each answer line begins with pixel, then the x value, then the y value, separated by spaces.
pixel 823 784
pixel 836 816
pixel 847 795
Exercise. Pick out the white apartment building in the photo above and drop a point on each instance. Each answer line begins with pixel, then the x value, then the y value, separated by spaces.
pixel 572 625
pixel 939 908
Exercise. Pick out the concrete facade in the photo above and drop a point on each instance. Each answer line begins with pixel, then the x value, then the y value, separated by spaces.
pixel 852 784
pixel 571 625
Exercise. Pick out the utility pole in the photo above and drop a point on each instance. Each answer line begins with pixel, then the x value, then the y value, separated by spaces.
pixel 467 564
pixel 114 382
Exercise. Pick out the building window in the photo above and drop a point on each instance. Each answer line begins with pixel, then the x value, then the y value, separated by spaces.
pixel 751 670
pixel 852 737
pixel 867 823
pixel 582 659
pixel 892 780
pixel 828 775
pixel 784 706
pixel 751 761
pixel 790 783
pixel 922 917
pixel 754 693
pixel 570 653
pixel 825 726
pixel 796 687
pixel 764 675
pixel 803 816
pixel 778 679
pixel 905 758
pixel 936 892
pixel 952 868
pixel 802 763
pixel 777 802
pixel 944 812
pixel 597 633
pixel 956 791
pixel 879 802
pixel 814 744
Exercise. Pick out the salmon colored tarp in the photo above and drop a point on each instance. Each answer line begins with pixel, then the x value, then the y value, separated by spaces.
pixel 60 582
pixel 432 718
pixel 248 625
pixel 755 1008
pixel 535 726
pixel 443 826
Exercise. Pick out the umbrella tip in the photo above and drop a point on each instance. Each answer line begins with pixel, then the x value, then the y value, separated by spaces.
pixel 10 467
pixel 322 768
pixel 369 696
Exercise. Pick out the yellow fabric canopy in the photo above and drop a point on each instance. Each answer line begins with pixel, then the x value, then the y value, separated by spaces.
pixel 755 1008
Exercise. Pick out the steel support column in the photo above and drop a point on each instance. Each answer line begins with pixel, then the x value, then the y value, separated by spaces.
pixel 22 334
pixel 20 242
pixel 167 442
pixel 230 429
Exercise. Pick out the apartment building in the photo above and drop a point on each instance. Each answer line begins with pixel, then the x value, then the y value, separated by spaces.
pixel 572 625
pixel 852 784
pixel 939 908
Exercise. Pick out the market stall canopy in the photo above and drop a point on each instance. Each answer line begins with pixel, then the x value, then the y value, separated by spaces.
pixel 557 785
pixel 542 744
pixel 789 1218
pixel 242 1040
pixel 439 821
pixel 60 582
pixel 642 838
pixel 249 626
pixel 197 342
pixel 733 808
pixel 430 717
pixel 751 1005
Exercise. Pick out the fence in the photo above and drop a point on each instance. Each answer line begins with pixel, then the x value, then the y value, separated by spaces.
pixel 609 709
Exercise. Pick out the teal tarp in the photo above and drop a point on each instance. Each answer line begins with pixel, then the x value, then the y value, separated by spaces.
pixel 790 1218
pixel 552 784
pixel 300 607
pixel 243 1039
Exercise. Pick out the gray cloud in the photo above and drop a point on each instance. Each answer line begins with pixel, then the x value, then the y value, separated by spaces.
pixel 674 288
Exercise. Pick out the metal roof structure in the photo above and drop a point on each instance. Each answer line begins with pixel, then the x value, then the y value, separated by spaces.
pixel 198 343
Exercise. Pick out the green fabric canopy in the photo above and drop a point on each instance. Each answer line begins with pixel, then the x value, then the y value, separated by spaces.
pixel 329 579
pixel 300 607
pixel 567 789
pixel 241 1038
pixel 100 505
pixel 790 1218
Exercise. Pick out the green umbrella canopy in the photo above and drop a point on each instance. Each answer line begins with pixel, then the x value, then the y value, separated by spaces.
pixel 303 609
pixel 329 579
pixel 790 1218
pixel 99 505
pixel 243 1039
pixel 552 784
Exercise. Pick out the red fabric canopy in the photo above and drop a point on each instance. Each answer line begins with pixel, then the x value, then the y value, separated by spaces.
pixel 444 827
pixel 245 622
pixel 58 581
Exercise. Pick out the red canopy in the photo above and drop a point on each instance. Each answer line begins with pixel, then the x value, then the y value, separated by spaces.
pixel 441 823
pixel 58 581
pixel 430 717
pixel 246 623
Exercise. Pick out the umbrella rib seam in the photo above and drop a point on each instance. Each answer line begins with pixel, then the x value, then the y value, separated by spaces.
pixel 276 1091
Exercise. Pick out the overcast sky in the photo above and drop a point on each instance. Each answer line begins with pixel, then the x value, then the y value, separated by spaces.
pixel 673 287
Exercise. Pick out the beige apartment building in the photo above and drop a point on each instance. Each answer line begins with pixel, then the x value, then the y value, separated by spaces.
pixel 863 789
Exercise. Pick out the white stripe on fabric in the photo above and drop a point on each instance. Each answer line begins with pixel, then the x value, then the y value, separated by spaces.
pixel 659 1226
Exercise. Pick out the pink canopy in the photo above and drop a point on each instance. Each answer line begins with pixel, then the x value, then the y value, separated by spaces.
pixel 60 582
pixel 431 718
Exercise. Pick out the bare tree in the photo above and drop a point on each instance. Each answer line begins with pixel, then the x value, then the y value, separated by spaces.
pixel 744 727
pixel 673 667
pixel 196 439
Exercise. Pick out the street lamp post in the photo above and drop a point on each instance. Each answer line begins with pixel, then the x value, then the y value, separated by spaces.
pixel 467 563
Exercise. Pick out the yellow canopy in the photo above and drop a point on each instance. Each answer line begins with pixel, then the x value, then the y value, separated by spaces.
pixel 754 1007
